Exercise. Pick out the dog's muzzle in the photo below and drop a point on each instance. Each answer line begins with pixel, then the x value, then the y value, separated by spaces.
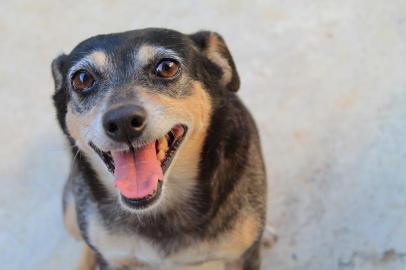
pixel 139 169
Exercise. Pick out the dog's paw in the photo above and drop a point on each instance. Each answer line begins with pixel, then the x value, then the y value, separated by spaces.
pixel 270 237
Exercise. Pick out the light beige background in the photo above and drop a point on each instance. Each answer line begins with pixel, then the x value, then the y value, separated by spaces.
pixel 325 80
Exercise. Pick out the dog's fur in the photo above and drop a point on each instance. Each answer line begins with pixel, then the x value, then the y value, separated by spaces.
pixel 211 213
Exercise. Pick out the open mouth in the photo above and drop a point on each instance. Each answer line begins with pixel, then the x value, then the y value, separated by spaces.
pixel 139 171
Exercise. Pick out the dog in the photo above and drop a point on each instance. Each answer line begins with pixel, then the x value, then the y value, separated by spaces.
pixel 167 170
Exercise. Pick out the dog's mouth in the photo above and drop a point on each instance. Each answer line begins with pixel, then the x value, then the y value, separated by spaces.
pixel 139 171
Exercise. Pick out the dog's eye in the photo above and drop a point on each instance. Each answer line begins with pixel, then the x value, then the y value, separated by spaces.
pixel 167 68
pixel 82 80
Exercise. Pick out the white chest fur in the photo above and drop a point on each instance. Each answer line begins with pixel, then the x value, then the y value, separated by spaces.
pixel 135 251
pixel 139 253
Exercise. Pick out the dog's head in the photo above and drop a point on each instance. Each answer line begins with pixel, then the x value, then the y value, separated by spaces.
pixel 138 105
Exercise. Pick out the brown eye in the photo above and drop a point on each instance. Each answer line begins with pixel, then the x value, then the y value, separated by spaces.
pixel 82 80
pixel 167 69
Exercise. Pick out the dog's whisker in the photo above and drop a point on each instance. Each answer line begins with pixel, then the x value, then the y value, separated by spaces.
pixel 74 159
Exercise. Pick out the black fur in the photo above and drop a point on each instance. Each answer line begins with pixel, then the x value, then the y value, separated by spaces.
pixel 201 39
pixel 225 161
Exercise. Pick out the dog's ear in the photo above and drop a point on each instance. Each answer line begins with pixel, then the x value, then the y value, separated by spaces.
pixel 213 46
pixel 58 69
pixel 60 96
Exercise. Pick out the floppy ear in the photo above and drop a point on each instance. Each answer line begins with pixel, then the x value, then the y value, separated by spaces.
pixel 60 96
pixel 213 46
pixel 58 69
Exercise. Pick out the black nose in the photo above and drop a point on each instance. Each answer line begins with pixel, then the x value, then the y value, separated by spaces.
pixel 124 123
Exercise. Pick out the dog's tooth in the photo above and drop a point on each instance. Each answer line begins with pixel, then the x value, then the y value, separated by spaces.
pixel 163 144
pixel 161 155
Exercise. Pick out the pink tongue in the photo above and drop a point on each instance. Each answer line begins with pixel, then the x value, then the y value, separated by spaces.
pixel 136 175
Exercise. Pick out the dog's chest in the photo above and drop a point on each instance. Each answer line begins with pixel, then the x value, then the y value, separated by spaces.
pixel 134 252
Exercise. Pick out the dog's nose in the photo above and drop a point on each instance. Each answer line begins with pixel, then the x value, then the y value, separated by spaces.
pixel 124 123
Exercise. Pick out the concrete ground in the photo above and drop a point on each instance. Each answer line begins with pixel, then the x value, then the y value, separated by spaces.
pixel 324 79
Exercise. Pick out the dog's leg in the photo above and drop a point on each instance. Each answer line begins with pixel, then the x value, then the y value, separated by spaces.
pixel 237 265
pixel 252 260
pixel 69 211
pixel 88 259
pixel 211 265
pixel 70 220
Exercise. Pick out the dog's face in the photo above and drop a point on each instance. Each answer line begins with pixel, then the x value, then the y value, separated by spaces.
pixel 138 105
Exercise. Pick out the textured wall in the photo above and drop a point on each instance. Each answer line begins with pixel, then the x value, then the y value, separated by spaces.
pixel 324 79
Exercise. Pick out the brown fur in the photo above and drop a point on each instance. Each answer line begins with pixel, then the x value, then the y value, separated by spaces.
pixel 214 53
pixel 87 260
pixel 70 220
pixel 99 58
pixel 243 235
pixel 145 53
pixel 196 108
pixel 231 245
